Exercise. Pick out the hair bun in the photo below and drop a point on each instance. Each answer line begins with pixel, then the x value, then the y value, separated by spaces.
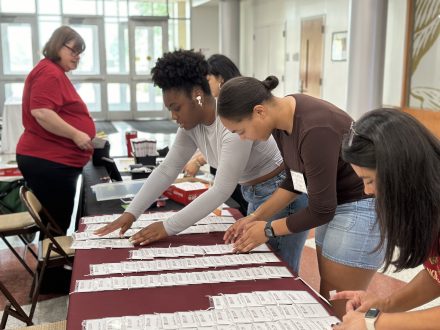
pixel 270 82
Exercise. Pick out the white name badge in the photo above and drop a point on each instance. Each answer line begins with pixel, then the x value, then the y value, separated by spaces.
pixel 298 181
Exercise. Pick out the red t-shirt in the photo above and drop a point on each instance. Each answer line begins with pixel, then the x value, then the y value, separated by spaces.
pixel 47 86
pixel 432 264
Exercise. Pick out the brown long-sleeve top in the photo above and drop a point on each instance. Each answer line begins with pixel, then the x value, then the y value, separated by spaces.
pixel 314 149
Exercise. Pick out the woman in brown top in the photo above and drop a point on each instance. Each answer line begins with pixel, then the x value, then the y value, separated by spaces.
pixel 308 132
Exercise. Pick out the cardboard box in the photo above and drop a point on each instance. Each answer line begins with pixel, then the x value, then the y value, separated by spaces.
pixel 184 191
pixel 9 171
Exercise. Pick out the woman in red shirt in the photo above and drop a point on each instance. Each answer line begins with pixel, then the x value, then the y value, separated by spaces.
pixel 58 129
pixel 398 160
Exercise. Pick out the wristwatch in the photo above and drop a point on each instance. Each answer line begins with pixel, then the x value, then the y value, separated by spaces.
pixel 268 230
pixel 370 318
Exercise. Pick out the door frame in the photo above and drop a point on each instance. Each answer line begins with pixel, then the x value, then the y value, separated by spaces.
pixel 321 18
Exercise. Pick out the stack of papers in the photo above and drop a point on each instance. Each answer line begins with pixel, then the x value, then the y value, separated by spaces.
pixel 181 263
pixel 177 279
pixel 296 310
pixel 102 244
pixel 188 250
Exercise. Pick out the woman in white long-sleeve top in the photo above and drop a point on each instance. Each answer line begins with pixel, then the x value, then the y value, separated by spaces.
pixel 258 166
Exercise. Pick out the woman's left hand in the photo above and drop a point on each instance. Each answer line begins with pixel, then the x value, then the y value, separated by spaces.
pixel 352 321
pixel 149 234
pixel 252 236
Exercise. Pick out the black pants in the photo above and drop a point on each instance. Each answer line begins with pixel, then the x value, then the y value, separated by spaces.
pixel 236 195
pixel 53 184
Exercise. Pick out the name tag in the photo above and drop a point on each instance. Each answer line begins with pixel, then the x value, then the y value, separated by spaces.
pixel 298 181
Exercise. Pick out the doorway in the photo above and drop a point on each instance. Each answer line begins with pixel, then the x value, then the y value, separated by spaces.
pixel 311 56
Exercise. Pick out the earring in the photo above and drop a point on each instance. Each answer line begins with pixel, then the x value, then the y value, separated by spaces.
pixel 199 100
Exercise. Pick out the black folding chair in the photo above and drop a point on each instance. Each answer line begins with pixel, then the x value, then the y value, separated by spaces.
pixel 13 308
pixel 53 250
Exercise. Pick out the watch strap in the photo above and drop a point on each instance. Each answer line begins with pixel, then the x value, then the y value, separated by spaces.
pixel 370 323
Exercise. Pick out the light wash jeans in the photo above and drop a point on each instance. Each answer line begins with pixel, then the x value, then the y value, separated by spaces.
pixel 288 247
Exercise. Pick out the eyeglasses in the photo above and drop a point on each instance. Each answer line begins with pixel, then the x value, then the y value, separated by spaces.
pixel 73 52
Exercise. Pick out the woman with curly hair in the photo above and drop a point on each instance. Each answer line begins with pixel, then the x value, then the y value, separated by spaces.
pixel 398 160
pixel 182 77
pixel 220 70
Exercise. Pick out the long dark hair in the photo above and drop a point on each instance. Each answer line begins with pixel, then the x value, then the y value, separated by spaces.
pixel 220 65
pixel 406 157
pixel 183 70
pixel 240 95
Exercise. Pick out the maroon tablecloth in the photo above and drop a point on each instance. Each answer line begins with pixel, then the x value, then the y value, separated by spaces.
pixel 92 305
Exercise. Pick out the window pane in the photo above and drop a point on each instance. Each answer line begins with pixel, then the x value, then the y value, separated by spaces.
pixel 14 92
pixel 160 8
pixel 47 25
pixel 91 95
pixel 140 8
pixel 148 47
pixel 17 52
pixel 118 97
pixel 14 6
pixel 149 97
pixel 111 7
pixel 89 62
pixel 49 7
pixel 84 7
pixel 116 45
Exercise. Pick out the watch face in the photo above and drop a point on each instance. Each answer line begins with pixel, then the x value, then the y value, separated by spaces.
pixel 268 232
pixel 372 313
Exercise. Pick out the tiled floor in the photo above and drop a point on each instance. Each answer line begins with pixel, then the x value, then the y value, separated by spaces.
pixel 54 308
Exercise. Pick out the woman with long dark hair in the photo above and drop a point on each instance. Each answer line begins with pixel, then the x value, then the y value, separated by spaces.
pixel 309 133
pixel 399 161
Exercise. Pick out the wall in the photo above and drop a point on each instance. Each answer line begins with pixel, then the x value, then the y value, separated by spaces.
pixel 205 29
pixel 394 50
pixel 334 74
pixel 246 64
pixel 262 48
pixel 264 20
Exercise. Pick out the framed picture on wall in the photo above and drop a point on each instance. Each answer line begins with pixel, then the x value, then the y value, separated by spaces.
pixel 339 46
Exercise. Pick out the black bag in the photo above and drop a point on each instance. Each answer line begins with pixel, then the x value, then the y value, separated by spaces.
pixel 101 149
pixel 10 201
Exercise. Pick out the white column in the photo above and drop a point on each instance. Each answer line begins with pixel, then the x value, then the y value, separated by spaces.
pixel 366 55
pixel 229 29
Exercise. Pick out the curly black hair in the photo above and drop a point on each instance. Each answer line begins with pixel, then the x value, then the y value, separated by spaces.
pixel 181 69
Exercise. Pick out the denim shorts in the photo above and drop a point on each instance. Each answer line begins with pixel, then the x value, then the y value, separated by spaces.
pixel 352 236
pixel 289 247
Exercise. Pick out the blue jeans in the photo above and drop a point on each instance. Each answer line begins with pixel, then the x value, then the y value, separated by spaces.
pixel 289 247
